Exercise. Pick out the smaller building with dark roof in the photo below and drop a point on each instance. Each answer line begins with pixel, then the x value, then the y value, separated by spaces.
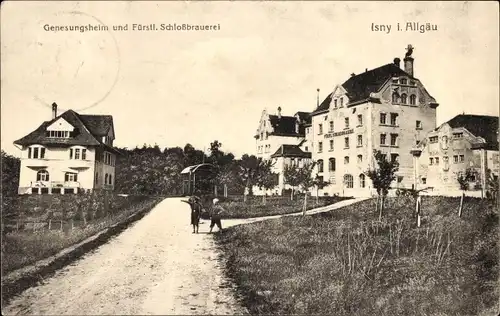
pixel 466 142
pixel 68 153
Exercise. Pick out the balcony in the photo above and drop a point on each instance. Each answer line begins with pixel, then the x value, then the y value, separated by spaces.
pixel 55 184
pixel 80 164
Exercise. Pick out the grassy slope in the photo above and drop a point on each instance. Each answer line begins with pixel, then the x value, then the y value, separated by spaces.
pixel 345 263
pixel 275 205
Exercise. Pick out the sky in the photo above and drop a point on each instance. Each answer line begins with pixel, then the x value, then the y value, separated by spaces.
pixel 176 87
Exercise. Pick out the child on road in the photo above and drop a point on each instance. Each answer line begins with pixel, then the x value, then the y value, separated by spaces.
pixel 217 210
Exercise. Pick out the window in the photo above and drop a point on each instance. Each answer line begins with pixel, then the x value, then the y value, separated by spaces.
pixel 331 144
pixel 360 140
pixel 29 152
pixel 335 103
pixel 412 83
pixel 42 175
pixel 360 159
pixel 394 139
pixel 320 147
pixel 267 135
pixel 348 181
pixel 394 158
pixel 458 135
pixel 346 121
pixel 360 120
pixel 320 165
pixel 394 119
pixel 58 134
pixel 382 139
pixel 84 154
pixel 35 152
pixel 42 152
pixel 436 160
pixel 455 159
pixel 77 153
pixel 404 98
pixel 320 129
pixel 110 179
pixel 418 125
pixel 106 178
pixel 461 158
pixel 307 148
pixel 424 180
pixel 341 102
pixel 394 97
pixel 433 139
pixel 361 180
pixel 404 81
pixel 413 99
pixel 431 161
pixel 331 164
pixel 71 153
pixel 96 177
pixel 395 80
pixel 383 117
pixel 346 142
pixel 331 126
pixel 70 177
pixel 346 160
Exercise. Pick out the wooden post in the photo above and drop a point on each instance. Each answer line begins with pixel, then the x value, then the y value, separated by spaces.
pixel 50 224
pixel 461 205
pixel 62 226
pixel 34 225
pixel 72 224
pixel 418 207
pixel 17 225
pixel 225 190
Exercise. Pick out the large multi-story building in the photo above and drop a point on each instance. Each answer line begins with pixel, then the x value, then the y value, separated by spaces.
pixel 466 141
pixel 386 109
pixel 67 153
pixel 282 138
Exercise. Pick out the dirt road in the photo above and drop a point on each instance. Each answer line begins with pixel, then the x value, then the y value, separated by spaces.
pixel 157 266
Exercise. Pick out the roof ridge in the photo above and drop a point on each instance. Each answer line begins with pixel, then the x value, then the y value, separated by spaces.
pixel 83 124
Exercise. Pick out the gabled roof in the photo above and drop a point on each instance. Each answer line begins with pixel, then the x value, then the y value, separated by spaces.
pixel 304 117
pixel 360 86
pixel 98 125
pixel 484 126
pixel 284 125
pixel 88 130
pixel 290 151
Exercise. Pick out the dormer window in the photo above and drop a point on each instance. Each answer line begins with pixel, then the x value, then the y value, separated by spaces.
pixel 341 102
pixel 335 103
pixel 404 81
pixel 58 134
pixel 395 97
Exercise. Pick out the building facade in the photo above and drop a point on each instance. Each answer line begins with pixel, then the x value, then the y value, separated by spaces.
pixel 70 152
pixel 281 138
pixel 464 142
pixel 386 109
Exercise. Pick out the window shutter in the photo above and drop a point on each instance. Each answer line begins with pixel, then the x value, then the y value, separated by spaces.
pixel 70 153
pixel 66 177
pixel 42 152
pixel 29 152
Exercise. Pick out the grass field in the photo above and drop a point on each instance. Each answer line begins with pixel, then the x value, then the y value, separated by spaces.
pixel 347 263
pixel 275 205
pixel 25 246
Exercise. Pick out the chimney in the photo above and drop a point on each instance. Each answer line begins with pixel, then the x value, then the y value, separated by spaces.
pixel 397 62
pixel 317 97
pixel 279 112
pixel 353 74
pixel 409 60
pixel 54 110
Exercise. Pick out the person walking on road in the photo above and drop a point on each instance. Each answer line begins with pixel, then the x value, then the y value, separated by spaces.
pixel 215 218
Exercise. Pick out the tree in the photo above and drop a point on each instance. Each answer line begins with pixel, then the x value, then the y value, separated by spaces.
pixel 492 185
pixel 248 168
pixel 306 181
pixel 465 178
pixel 266 178
pixel 319 183
pixel 292 177
pixel 10 174
pixel 382 176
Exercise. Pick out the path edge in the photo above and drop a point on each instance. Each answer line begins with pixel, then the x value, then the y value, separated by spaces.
pixel 17 281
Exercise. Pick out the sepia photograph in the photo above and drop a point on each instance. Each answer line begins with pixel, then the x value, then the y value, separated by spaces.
pixel 250 158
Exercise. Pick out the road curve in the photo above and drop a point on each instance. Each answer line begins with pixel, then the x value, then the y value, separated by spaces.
pixel 157 266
